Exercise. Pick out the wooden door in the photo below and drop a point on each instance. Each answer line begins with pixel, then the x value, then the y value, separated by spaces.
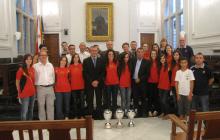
pixel 147 38
pixel 52 43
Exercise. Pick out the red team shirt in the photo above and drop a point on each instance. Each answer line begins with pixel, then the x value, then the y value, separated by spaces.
pixel 76 74
pixel 169 61
pixel 125 79
pixel 154 76
pixel 111 74
pixel 174 70
pixel 62 80
pixel 29 88
pixel 164 82
pixel 147 55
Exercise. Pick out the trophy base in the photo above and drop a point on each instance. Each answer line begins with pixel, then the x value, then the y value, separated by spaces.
pixel 131 124
pixel 108 126
pixel 119 125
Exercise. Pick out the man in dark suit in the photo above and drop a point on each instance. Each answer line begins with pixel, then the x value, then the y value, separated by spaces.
pixel 186 50
pixel 109 46
pixel 93 72
pixel 133 46
pixel 140 73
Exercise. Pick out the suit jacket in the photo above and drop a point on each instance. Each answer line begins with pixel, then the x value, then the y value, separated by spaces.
pixel 91 73
pixel 144 70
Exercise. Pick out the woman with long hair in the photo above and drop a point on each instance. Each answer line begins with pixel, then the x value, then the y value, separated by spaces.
pixel 124 74
pixel 77 86
pixel 62 89
pixel 163 85
pixel 174 68
pixel 25 77
pixel 111 80
pixel 153 80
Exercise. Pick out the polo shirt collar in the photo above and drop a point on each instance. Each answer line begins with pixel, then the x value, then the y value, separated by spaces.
pixel 203 65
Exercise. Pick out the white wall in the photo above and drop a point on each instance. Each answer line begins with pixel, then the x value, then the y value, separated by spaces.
pixel 147 22
pixel 7 29
pixel 128 24
pixel 202 25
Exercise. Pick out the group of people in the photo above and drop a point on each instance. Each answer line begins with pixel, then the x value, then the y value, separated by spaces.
pixel 146 79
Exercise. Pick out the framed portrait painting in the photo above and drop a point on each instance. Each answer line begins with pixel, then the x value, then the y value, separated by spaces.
pixel 99 21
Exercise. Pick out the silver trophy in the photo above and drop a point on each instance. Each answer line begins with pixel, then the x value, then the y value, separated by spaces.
pixel 131 114
pixel 107 115
pixel 119 115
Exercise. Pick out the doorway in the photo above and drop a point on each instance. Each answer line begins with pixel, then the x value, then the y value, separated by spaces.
pixel 147 38
pixel 52 43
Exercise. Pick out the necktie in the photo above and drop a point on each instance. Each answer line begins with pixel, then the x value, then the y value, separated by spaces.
pixel 94 62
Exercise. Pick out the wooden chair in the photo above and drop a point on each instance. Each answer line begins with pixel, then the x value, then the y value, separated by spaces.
pixel 210 132
pixel 58 129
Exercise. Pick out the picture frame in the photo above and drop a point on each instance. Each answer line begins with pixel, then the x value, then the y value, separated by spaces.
pixel 99 22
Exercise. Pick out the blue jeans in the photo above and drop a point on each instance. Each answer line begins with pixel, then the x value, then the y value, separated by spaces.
pixel 164 94
pixel 125 98
pixel 203 101
pixel 27 107
pixel 62 98
pixel 111 97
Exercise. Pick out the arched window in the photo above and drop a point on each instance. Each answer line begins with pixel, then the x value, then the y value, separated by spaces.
pixel 173 20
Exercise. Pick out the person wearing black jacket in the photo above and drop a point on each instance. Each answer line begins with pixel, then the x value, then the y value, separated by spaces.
pixel 140 74
pixel 93 72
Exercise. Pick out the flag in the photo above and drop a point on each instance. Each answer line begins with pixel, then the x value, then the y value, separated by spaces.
pixel 39 31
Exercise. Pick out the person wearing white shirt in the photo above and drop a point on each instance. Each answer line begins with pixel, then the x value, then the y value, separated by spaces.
pixel 44 81
pixel 184 88
pixel 82 52
pixel 71 53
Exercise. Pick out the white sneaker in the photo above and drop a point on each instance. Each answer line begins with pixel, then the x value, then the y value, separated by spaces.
pixel 150 114
pixel 155 113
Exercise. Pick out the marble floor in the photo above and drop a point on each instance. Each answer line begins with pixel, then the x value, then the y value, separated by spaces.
pixel 145 128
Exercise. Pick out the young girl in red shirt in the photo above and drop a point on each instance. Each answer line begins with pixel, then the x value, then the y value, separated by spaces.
pixel 111 80
pixel 77 85
pixel 25 87
pixel 163 85
pixel 124 73
pixel 62 89
pixel 153 79
pixel 175 67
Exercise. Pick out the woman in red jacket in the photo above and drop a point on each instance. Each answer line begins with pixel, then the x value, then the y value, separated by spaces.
pixel 163 85
pixel 25 87
pixel 77 85
pixel 111 80
pixel 62 89
pixel 153 79
pixel 175 67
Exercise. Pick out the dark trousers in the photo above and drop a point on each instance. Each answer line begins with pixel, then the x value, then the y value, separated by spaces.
pixel 111 97
pixel 90 96
pixel 201 100
pixel 140 97
pixel 164 94
pixel 153 97
pixel 174 99
pixel 62 101
pixel 78 102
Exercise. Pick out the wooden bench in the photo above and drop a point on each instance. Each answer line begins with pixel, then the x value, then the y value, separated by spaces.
pixel 58 129
pixel 210 132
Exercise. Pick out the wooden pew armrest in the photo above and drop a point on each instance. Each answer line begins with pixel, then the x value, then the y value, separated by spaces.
pixel 179 123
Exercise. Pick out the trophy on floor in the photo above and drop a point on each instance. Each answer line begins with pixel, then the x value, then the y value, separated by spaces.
pixel 131 114
pixel 107 115
pixel 119 115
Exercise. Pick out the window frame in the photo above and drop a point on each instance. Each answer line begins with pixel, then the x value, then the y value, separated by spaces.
pixel 169 18
pixel 29 17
